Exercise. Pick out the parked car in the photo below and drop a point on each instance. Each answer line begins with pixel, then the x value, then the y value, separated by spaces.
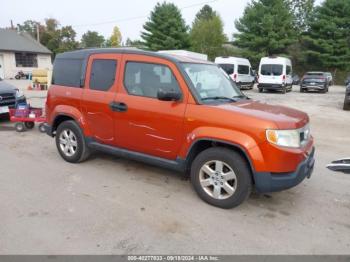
pixel 329 78
pixel 9 97
pixel 275 73
pixel 347 80
pixel 316 81
pixel 239 69
pixel 347 98
pixel 178 113
pixel 296 80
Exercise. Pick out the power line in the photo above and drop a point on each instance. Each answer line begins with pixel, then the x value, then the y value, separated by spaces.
pixel 140 17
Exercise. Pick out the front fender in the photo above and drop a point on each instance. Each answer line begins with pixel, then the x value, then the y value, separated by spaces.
pixel 231 137
pixel 72 112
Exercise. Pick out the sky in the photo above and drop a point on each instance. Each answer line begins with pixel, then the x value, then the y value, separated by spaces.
pixel 103 15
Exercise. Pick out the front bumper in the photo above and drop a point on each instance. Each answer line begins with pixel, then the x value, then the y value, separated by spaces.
pixel 272 182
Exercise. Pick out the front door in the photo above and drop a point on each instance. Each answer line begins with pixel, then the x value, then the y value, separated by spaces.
pixel 146 124
pixel 99 91
pixel 2 76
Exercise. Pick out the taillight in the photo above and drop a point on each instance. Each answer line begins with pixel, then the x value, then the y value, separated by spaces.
pixel 284 77
pixel 235 77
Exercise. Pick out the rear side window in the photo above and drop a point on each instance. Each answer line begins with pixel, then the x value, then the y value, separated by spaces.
pixel 271 70
pixel 144 79
pixel 243 69
pixel 102 74
pixel 288 70
pixel 228 68
pixel 67 72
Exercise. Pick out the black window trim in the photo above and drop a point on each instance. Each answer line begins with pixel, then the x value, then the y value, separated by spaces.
pixel 82 72
pixel 115 75
pixel 150 63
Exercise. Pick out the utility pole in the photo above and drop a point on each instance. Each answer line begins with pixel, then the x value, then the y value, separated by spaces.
pixel 12 27
pixel 37 32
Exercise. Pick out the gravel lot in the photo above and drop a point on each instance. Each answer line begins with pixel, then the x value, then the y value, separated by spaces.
pixel 114 206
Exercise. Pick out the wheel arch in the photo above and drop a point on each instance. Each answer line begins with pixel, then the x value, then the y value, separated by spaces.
pixel 204 143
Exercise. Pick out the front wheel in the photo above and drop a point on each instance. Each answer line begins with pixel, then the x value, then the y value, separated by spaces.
pixel 221 177
pixel 70 142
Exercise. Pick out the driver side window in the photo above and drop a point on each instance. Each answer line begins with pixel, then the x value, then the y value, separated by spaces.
pixel 145 79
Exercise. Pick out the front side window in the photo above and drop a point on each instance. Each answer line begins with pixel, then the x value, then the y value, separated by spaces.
pixel 271 70
pixel 26 60
pixel 228 68
pixel 145 79
pixel 102 74
pixel 211 82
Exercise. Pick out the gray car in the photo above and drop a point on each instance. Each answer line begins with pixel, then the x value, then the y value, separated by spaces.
pixel 10 97
pixel 314 81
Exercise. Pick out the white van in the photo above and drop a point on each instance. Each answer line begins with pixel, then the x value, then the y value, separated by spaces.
pixel 275 73
pixel 239 69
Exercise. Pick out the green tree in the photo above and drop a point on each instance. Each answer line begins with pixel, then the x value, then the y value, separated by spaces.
pixel 92 39
pixel 205 13
pixel 207 34
pixel 266 28
pixel 327 44
pixel 165 29
pixel 302 10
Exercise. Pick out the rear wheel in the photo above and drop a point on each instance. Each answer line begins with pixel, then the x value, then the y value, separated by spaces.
pixel 42 128
pixel 221 177
pixel 346 104
pixel 284 89
pixel 29 125
pixel 70 142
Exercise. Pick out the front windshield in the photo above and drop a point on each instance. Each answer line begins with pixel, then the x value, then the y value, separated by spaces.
pixel 211 82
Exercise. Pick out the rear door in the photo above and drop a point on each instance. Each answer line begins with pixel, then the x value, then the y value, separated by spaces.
pixel 243 73
pixel 100 90
pixel 271 74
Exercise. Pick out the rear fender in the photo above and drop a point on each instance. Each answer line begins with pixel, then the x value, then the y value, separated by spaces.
pixel 72 112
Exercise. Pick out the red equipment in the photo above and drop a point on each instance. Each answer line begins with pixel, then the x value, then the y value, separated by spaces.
pixel 26 118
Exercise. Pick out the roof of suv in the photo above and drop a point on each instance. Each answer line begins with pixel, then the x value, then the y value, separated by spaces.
pixel 85 53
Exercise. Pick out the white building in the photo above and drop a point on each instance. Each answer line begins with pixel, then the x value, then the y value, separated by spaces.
pixel 20 52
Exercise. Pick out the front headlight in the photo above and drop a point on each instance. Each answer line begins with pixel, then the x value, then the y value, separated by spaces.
pixel 19 93
pixel 294 138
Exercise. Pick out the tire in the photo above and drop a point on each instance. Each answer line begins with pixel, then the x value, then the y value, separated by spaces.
pixel 20 127
pixel 284 89
pixel 240 184
pixel 260 90
pixel 42 128
pixel 302 90
pixel 17 77
pixel 29 125
pixel 76 151
pixel 324 90
pixel 346 104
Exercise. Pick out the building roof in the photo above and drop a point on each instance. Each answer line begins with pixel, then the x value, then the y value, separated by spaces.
pixel 11 40
pixel 85 53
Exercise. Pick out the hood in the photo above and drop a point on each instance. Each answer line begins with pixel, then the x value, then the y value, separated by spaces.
pixel 283 117
pixel 6 88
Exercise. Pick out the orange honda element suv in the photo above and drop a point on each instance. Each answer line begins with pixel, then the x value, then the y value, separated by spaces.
pixel 178 113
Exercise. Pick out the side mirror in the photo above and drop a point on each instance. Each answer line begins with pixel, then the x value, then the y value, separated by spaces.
pixel 168 95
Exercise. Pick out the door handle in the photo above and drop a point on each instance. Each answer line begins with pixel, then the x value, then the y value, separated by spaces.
pixel 118 106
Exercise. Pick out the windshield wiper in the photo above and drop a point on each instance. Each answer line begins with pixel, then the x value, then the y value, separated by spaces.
pixel 220 98
pixel 241 96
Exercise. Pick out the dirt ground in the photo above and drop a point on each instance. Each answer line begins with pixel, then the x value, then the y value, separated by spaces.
pixel 114 206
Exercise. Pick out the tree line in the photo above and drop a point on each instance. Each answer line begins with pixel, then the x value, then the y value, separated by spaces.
pixel 314 37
